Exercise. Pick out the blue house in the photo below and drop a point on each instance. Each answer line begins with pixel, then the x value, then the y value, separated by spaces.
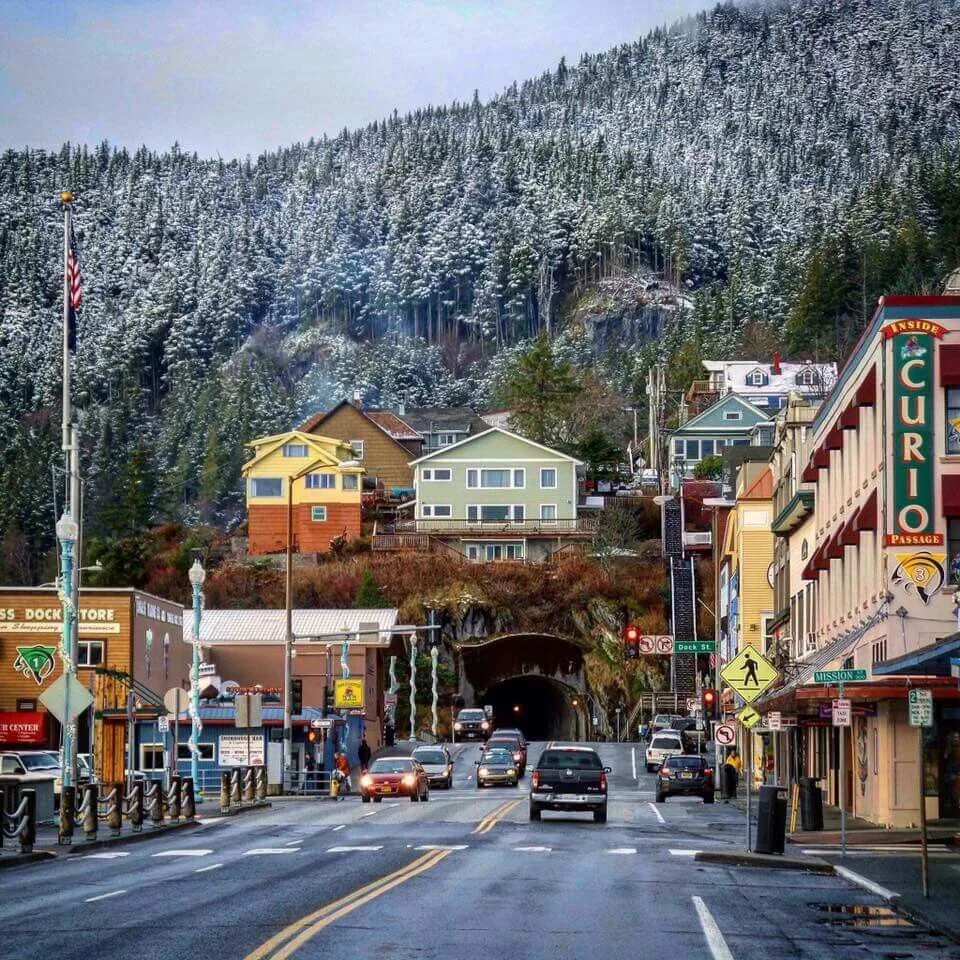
pixel 731 421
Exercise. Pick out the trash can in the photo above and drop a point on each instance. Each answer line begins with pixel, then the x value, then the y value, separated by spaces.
pixel 729 780
pixel 771 820
pixel 811 804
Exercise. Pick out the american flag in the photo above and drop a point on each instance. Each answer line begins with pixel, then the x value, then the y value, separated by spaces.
pixel 74 292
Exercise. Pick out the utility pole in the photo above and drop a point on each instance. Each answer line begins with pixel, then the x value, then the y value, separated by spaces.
pixel 288 644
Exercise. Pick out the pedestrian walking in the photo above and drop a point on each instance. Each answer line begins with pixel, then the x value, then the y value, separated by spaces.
pixel 342 772
pixel 732 768
pixel 364 753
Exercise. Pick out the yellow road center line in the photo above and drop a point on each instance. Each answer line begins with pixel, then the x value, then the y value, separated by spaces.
pixel 298 941
pixel 277 939
pixel 493 820
pixel 479 827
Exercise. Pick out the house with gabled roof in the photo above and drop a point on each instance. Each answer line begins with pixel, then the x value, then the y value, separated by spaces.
pixel 729 422
pixel 494 496
pixel 309 481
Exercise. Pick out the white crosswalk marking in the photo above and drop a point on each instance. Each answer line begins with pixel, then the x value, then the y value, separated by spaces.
pixel 183 853
pixel 684 853
pixel 353 849
pixel 269 851
pixel 623 851
pixel 533 849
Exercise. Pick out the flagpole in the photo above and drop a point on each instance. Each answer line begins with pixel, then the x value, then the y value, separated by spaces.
pixel 67 198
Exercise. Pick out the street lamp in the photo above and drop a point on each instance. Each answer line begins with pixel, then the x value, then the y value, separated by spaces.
pixel 197 575
pixel 67 534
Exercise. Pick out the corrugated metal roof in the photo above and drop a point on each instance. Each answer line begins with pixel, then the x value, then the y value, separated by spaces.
pixel 268 626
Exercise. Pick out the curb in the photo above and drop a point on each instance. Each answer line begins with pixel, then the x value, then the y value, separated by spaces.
pixel 147 834
pixel 22 859
pixel 744 859
pixel 234 812
pixel 891 896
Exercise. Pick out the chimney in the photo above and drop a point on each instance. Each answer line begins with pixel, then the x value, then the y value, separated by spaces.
pixel 401 408
pixel 356 399
pixel 775 366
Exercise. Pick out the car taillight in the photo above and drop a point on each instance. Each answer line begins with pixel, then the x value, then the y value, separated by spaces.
pixel 603 781
pixel 708 772
pixel 535 779
pixel 665 774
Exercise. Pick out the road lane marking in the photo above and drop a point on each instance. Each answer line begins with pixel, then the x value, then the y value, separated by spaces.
pixel 269 851
pixel 103 896
pixel 307 927
pixel 370 814
pixel 354 849
pixel 533 849
pixel 684 853
pixel 442 846
pixel 213 866
pixel 633 761
pixel 623 851
pixel 659 815
pixel 479 827
pixel 183 853
pixel 292 843
pixel 106 856
pixel 491 820
pixel 718 946
pixel 342 825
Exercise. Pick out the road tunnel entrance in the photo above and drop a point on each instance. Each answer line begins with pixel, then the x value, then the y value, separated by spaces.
pixel 539 706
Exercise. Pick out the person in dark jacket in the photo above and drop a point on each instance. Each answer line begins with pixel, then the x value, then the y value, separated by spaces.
pixel 364 753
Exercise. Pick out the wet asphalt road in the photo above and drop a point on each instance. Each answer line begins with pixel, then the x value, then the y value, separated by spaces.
pixel 464 876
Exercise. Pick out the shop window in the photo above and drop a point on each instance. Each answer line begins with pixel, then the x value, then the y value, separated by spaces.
pixel 206 752
pixel 953 419
pixel 90 653
pixel 152 757
pixel 266 487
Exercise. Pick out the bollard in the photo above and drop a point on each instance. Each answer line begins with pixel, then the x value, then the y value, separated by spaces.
pixel 261 781
pixel 248 796
pixel 334 787
pixel 28 825
pixel 235 785
pixel 225 792
pixel 115 809
pixel 155 799
pixel 89 808
pixel 173 797
pixel 189 799
pixel 68 807
pixel 135 808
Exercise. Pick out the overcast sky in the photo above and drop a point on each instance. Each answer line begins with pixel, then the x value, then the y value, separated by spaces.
pixel 236 77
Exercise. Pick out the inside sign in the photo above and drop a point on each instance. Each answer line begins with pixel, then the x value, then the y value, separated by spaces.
pixel 774 720
pixel 841 712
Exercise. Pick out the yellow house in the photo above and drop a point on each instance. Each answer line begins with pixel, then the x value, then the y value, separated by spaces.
pixel 316 477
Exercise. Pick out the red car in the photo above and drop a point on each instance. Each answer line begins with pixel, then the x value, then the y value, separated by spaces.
pixel 394 777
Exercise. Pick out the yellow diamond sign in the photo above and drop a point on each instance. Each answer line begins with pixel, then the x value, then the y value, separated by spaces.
pixel 749 717
pixel 749 673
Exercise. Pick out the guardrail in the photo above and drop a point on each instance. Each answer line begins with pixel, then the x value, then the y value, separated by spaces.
pixel 20 823
pixel 302 783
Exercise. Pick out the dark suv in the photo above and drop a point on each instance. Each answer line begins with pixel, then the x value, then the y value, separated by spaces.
pixel 471 724
pixel 685 776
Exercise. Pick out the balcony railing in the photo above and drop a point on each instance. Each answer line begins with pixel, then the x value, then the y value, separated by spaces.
pixel 553 528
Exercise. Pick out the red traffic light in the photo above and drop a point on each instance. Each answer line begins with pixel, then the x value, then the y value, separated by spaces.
pixel 709 697
pixel 631 633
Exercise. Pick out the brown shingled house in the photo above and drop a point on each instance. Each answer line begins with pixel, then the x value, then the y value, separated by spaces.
pixel 382 441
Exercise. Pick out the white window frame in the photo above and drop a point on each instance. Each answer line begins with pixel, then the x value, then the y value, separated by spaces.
pixel 183 752
pixel 475 478
pixel 87 645
pixel 310 485
pixel 313 513
pixel 448 438
pixel 732 415
pixel 552 519
pixel 430 511
pixel 473 552
pixel 430 473
pixel 806 377
pixel 510 507
pixel 287 447
pixel 153 748
pixel 757 378
pixel 355 446
pixel 513 545
pixel 556 478
pixel 264 496
pixel 349 481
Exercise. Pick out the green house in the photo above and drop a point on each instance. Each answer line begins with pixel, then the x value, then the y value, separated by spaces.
pixel 498 496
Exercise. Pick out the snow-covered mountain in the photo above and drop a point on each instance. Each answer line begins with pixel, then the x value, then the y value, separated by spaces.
pixel 222 296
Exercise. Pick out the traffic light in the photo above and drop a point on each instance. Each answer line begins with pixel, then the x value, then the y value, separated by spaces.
pixel 312 736
pixel 710 703
pixel 296 697
pixel 328 699
pixel 631 639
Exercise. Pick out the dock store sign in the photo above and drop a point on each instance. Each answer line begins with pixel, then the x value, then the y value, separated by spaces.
pixel 913 436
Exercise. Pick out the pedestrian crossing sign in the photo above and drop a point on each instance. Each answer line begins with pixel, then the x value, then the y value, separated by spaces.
pixel 749 674
pixel 749 717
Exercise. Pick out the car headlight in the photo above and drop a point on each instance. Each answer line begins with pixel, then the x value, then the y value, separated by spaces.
pixel 409 779
pixel 458 726
pixel 484 725
pixel 484 771
pixel 511 772
pixel 366 780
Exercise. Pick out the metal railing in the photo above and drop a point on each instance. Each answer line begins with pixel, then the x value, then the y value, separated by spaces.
pixel 504 527
pixel 21 823
pixel 306 784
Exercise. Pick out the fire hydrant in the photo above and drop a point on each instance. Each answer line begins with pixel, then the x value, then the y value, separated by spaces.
pixel 334 786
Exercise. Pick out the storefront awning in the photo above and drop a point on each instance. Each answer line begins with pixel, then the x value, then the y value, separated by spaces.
pixel 930 661
pixel 950 491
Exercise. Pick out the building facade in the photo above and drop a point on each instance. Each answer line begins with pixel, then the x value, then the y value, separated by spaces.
pixel 314 481
pixel 498 496
pixel 129 642
pixel 443 426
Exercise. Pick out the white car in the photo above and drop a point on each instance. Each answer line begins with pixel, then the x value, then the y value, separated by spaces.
pixel 664 744
pixel 437 764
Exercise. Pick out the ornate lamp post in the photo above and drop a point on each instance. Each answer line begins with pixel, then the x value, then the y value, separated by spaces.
pixel 197 575
pixel 413 686
pixel 434 655
pixel 67 533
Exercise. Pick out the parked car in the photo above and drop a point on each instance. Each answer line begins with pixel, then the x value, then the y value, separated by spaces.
pixel 471 724
pixel 666 743
pixel 497 766
pixel 569 778
pixel 437 764
pixel 394 777
pixel 32 764
pixel 515 745
pixel 685 776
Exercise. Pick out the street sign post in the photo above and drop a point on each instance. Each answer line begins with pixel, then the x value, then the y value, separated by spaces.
pixel 647 644
pixel 774 720
pixel 163 725
pixel 921 707
pixel 55 698
pixel 694 646
pixel 749 674
pixel 725 734
pixel 839 676
pixel 749 717
pixel 840 713
pixel 664 644
pixel 920 704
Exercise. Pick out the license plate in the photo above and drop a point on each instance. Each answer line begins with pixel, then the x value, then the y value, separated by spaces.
pixel 686 776
pixel 386 789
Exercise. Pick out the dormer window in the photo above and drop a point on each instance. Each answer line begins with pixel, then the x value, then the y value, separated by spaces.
pixel 807 377
pixel 757 378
